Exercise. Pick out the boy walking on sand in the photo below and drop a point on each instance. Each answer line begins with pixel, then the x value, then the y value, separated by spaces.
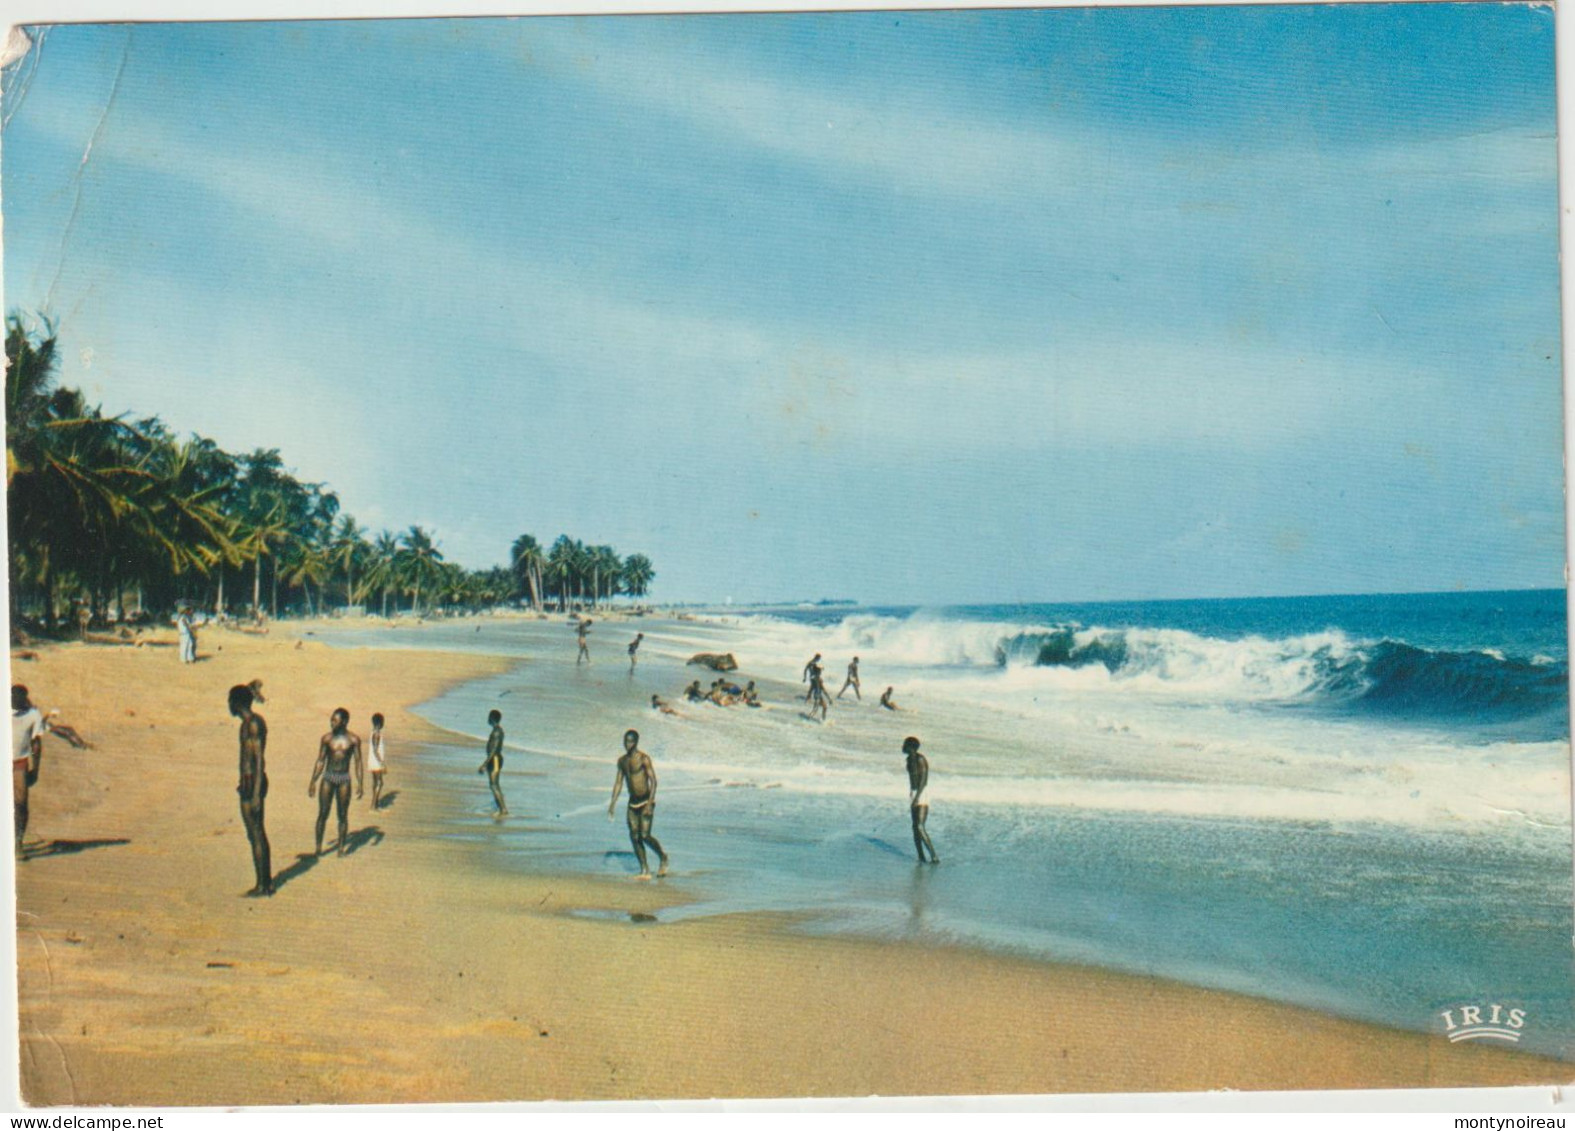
pixel 376 760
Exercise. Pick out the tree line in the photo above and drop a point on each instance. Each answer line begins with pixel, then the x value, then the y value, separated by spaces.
pixel 107 514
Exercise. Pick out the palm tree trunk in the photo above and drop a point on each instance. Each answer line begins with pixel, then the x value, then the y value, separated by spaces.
pixel 49 594
pixel 256 585
pixel 218 604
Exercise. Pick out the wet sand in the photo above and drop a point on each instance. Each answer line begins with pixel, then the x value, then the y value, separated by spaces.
pixel 411 970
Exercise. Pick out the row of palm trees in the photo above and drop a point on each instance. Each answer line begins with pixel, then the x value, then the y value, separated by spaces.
pixel 572 572
pixel 104 512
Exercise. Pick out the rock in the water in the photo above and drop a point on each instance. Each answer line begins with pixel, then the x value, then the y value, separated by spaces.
pixel 716 661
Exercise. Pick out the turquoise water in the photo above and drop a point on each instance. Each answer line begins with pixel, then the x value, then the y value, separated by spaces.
pixel 1354 804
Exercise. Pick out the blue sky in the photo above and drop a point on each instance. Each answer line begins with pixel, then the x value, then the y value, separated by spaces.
pixel 921 308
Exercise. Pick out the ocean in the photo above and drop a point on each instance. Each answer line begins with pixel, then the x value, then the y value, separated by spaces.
pixel 1359 804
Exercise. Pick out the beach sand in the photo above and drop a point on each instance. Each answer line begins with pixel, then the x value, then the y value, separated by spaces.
pixel 410 970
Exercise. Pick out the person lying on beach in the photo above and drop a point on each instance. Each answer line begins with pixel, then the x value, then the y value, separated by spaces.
pixel 635 769
pixel 253 785
pixel 27 754
pixel 751 697
pixel 493 765
pixel 918 810
pixel 693 692
pixel 852 680
pixel 585 646
pixel 718 696
pixel 634 647
pixel 338 751
pixel 377 760
pixel 660 704
pixel 885 699
pixel 730 688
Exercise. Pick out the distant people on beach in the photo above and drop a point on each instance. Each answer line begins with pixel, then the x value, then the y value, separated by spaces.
pixel 662 705
pixel 693 692
pixel 253 785
pixel 887 701
pixel 636 771
pixel 188 635
pixel 751 697
pixel 493 765
pixel 377 760
pixel 583 634
pixel 852 680
pixel 918 809
pixel 337 753
pixel 634 648
pixel 27 755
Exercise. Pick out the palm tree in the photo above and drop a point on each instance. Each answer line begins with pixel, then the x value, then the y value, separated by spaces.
pixel 562 565
pixel 349 547
pixel 83 489
pixel 381 573
pixel 637 575
pixel 605 568
pixel 528 560
pixel 418 562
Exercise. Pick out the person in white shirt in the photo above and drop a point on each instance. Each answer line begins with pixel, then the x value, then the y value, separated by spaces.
pixel 376 762
pixel 27 752
pixel 188 636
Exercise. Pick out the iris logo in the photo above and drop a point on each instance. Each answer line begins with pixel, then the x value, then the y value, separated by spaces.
pixel 1484 1023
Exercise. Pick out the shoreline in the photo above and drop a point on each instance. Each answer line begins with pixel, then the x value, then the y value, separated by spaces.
pixel 510 995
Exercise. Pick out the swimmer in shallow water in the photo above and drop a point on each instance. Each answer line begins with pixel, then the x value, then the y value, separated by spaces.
pixel 852 680
pixel 918 809
pixel 885 699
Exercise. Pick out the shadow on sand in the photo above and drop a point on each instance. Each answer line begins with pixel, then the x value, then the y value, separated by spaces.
pixel 304 863
pixel 387 800
pixel 68 847
pixel 362 837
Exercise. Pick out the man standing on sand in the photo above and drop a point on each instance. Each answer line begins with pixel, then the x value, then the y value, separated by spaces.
pixel 338 750
pixel 585 644
pixel 188 635
pixel 377 760
pixel 636 769
pixel 253 787
pixel 852 680
pixel 27 752
pixel 918 810
pixel 634 647
pixel 493 766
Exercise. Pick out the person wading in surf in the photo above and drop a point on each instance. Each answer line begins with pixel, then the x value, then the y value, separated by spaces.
pixel 918 810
